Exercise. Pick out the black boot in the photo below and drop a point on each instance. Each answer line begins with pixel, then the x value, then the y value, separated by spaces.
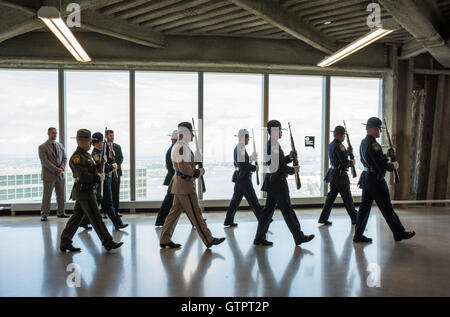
pixel 325 223
pixel 405 236
pixel 69 248
pixel 305 239
pixel 121 226
pixel 215 241
pixel 170 245
pixel 362 239
pixel 112 245
pixel 263 242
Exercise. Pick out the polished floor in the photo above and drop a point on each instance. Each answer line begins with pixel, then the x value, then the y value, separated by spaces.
pixel 330 265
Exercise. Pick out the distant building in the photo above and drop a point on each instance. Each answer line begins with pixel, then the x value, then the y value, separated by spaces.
pixel 22 185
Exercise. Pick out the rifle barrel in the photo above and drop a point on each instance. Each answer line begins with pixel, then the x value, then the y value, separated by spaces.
pixel 298 183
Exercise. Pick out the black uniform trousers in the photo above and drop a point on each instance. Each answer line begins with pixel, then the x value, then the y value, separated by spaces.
pixel 164 209
pixel 282 199
pixel 335 189
pixel 115 188
pixel 379 192
pixel 107 205
pixel 89 209
pixel 243 189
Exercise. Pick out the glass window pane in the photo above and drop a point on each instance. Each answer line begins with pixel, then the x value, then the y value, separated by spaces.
pixel 162 101
pixel 29 104
pixel 19 179
pixel 298 100
pixel 232 102
pixel 96 100
pixel 354 100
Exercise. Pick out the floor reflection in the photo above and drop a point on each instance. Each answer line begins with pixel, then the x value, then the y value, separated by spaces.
pixel 331 265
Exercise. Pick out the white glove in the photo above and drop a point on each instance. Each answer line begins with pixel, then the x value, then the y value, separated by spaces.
pixel 396 165
pixel 202 171
pixel 102 177
pixel 114 165
pixel 254 156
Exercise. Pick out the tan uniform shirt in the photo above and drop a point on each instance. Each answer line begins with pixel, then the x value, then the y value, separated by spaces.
pixel 183 162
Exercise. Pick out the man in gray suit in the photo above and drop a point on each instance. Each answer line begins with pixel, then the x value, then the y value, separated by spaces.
pixel 53 161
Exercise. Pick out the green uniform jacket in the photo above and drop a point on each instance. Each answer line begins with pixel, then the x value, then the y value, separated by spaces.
pixel 85 174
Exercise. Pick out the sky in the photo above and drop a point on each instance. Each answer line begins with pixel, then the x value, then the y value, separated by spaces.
pixel 95 100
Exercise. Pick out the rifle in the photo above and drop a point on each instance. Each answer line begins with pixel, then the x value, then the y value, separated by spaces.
pixel 200 164
pixel 391 154
pixel 294 159
pixel 256 161
pixel 102 166
pixel 350 151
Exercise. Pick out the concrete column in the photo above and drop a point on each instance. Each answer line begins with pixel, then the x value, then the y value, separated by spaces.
pixel 389 107
pixel 132 87
pixel 62 111
pixel 404 127
pixel 326 97
pixel 200 124
pixel 264 119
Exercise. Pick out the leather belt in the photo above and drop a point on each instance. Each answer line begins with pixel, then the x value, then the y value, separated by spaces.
pixel 184 176
pixel 370 169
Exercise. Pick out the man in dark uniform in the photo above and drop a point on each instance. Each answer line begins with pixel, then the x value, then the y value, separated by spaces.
pixel 168 199
pixel 117 174
pixel 83 192
pixel 106 197
pixel 276 186
pixel 242 179
pixel 374 186
pixel 338 178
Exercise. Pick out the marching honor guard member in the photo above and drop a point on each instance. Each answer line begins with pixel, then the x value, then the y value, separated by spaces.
pixel 337 177
pixel 276 186
pixel 84 193
pixel 242 179
pixel 105 164
pixel 183 187
pixel 374 186
pixel 168 199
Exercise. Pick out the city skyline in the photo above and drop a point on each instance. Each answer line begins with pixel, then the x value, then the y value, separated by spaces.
pixel 95 99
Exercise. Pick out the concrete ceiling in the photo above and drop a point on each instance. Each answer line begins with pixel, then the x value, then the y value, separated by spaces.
pixel 150 22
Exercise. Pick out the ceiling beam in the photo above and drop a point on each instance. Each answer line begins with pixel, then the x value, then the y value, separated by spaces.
pixel 187 53
pixel 118 28
pixel 18 21
pixel 14 22
pixel 412 49
pixel 272 12
pixel 412 16
pixel 19 6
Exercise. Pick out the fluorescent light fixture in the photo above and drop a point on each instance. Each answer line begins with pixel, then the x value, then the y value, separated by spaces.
pixel 355 46
pixel 51 17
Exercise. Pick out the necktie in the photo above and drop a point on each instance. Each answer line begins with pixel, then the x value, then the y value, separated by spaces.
pixel 54 149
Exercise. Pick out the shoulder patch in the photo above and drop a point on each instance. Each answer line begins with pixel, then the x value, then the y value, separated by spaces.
pixel 96 157
pixel 76 159
pixel 376 146
pixel 342 147
pixel 180 150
